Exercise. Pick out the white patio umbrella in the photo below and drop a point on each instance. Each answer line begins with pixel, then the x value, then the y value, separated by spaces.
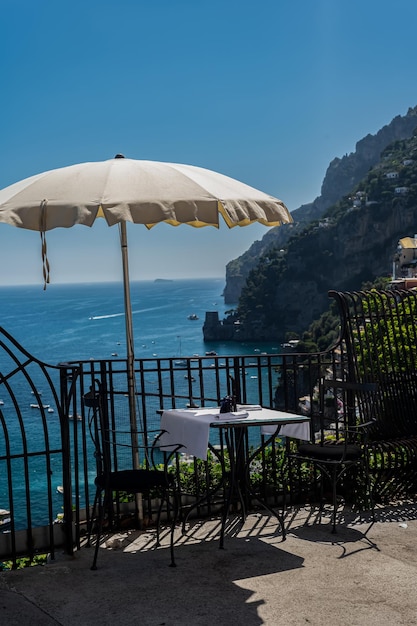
pixel 124 190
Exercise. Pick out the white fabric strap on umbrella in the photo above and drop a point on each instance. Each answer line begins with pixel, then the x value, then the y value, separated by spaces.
pixel 44 249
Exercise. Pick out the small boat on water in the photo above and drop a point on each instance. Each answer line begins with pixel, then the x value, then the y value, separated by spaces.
pixel 292 343
pixel 78 417
pixel 5 518
pixel 37 406
pixel 193 316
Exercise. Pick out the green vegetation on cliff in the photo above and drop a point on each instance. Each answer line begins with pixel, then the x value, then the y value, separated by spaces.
pixel 342 176
pixel 353 242
pixel 324 332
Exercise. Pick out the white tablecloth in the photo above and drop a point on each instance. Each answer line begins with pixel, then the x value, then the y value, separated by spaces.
pixel 191 427
pixel 297 431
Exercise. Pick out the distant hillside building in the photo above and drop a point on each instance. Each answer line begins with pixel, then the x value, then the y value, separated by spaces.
pixel 405 259
pixel 404 274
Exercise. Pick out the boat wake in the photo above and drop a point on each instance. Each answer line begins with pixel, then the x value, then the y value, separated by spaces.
pixel 105 317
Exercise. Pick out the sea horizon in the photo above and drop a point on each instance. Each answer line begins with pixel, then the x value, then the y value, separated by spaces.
pixel 54 283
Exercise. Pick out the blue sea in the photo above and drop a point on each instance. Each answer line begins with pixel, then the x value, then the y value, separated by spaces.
pixel 86 321
pixel 83 321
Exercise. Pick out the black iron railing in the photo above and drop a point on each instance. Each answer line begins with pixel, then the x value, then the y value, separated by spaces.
pixel 288 382
pixel 47 465
pixel 35 475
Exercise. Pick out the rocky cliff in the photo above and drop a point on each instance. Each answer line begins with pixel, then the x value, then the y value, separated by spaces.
pixel 357 248
pixel 353 241
pixel 342 175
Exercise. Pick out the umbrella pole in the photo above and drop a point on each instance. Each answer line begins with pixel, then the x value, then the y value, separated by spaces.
pixel 130 360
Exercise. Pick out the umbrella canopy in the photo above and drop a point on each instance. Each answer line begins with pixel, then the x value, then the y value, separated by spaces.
pixel 124 190
pixel 143 192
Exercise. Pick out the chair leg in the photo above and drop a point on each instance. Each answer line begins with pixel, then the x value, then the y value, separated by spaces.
pixel 369 489
pixel 90 525
pixel 158 518
pixel 99 528
pixel 334 488
pixel 173 525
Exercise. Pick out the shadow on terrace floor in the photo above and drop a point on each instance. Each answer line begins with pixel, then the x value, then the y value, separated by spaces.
pixel 257 579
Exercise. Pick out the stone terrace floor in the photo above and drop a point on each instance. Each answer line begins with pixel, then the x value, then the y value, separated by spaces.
pixel 313 578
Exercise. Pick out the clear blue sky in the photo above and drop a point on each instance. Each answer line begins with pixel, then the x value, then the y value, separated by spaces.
pixel 267 92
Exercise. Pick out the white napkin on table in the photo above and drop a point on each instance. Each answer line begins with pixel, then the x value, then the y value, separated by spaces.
pixel 233 415
pixel 249 407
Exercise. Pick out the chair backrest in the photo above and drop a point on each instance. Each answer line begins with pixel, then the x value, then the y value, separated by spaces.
pixel 117 446
pixel 379 332
pixel 93 401
pixel 347 410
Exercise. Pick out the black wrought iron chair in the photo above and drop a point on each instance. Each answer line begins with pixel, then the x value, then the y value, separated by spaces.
pixel 347 413
pixel 127 464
